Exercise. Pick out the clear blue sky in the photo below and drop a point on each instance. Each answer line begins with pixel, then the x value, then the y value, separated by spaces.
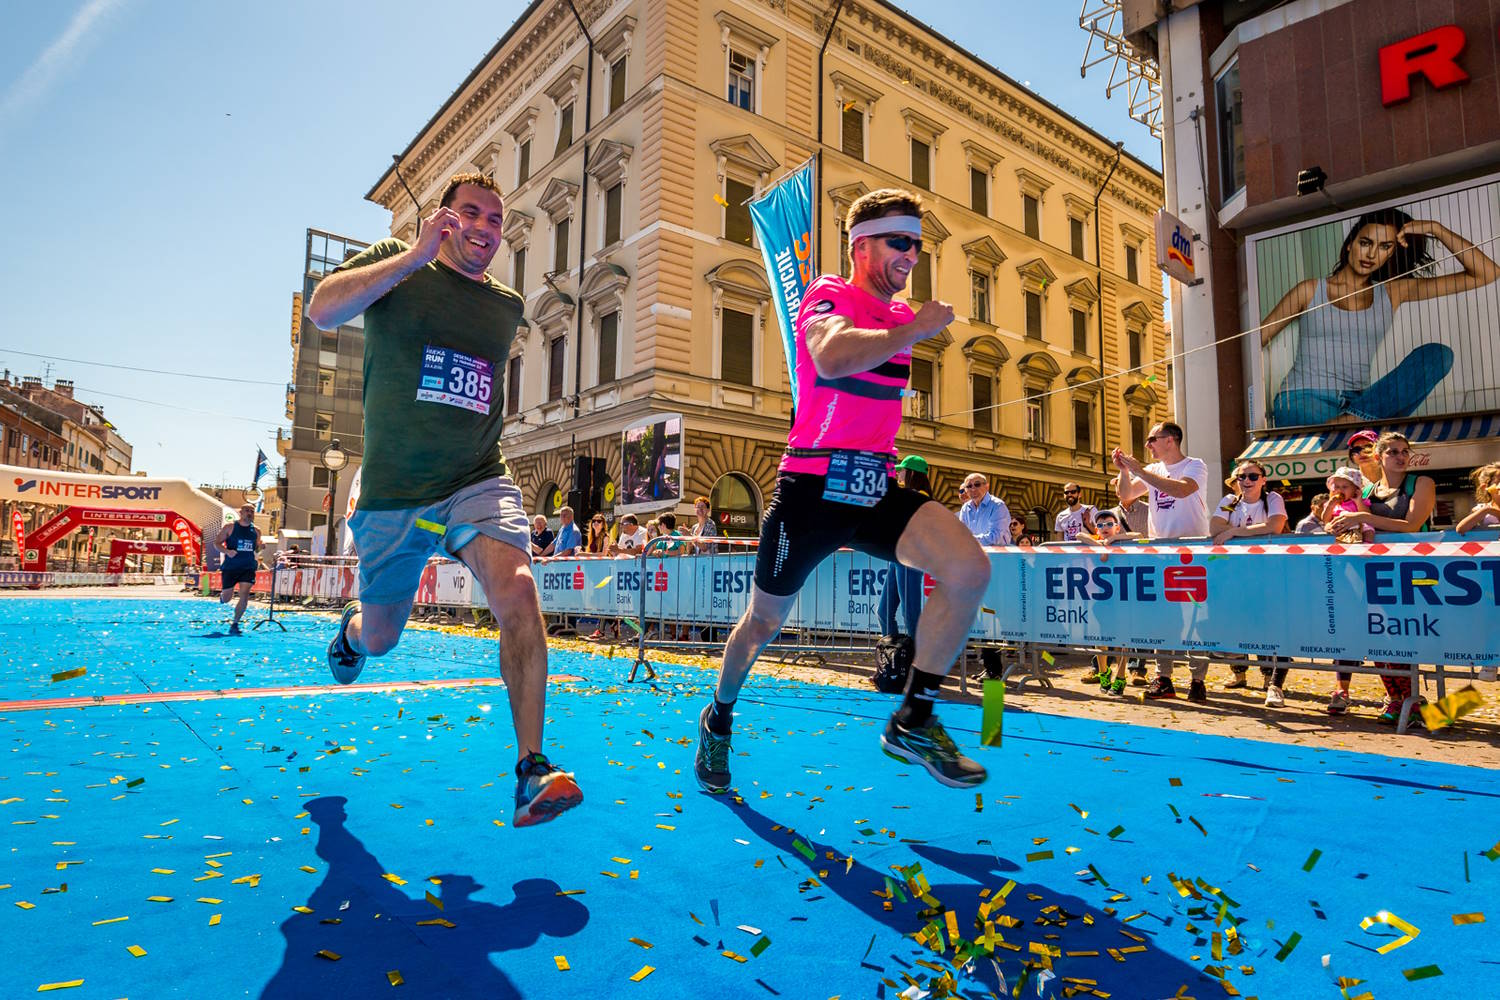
pixel 163 161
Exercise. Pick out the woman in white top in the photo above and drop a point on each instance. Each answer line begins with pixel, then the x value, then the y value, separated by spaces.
pixel 1252 509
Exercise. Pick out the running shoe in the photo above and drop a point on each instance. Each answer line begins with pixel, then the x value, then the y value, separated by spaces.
pixel 1338 702
pixel 1095 677
pixel 1274 697
pixel 1390 713
pixel 1237 681
pixel 712 762
pixel 1117 686
pixel 544 792
pixel 1160 687
pixel 234 628
pixel 1198 691
pixel 1137 676
pixel 932 747
pixel 343 661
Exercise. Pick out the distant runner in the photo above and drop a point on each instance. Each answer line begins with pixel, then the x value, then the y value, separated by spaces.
pixel 240 540
pixel 835 488
pixel 438 330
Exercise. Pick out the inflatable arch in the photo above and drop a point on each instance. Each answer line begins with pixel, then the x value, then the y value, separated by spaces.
pixel 116 501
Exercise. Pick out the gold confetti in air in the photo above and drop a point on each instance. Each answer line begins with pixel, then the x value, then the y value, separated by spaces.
pixel 992 723
pixel 1450 708
pixel 721 200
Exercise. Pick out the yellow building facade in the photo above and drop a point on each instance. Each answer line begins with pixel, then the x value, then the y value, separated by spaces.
pixel 697 107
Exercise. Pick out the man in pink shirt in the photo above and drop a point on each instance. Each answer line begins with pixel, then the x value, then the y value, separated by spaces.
pixel 836 489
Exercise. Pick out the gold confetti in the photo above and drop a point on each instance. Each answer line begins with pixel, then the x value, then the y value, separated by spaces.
pixel 332 956
pixel 646 970
pixel 640 943
pixel 437 922
pixel 394 879
pixel 1388 918
pixel 720 199
pixel 734 956
pixel 111 920
pixel 213 921
pixel 49 987
pixel 1451 708
pixel 163 871
pixel 67 675
pixel 301 909
pixel 137 951
pixel 25 905
pixel 1468 918
pixel 158 899
pixel 309 869
pixel 394 977
pixel 562 963
pixel 434 901
pixel 211 901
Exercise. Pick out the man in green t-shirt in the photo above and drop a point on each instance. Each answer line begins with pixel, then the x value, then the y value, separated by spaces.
pixel 438 331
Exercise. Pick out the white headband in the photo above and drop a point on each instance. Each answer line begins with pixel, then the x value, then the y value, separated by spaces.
pixel 887 225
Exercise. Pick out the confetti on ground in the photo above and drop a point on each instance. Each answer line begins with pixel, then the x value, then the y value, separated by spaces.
pixel 1312 860
pixel 645 971
pixel 49 987
pixel 1421 972
pixel 1468 918
pixel 992 724
pixel 394 977
pixel 1408 932
pixel 67 675
pixel 562 963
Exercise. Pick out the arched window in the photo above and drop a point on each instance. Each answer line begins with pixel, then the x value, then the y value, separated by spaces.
pixel 548 499
pixel 735 502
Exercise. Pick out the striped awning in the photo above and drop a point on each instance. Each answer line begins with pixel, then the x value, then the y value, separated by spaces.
pixel 1448 429
pixel 1282 445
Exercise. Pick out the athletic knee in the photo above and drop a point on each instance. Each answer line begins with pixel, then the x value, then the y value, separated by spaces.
pixel 968 569
pixel 377 640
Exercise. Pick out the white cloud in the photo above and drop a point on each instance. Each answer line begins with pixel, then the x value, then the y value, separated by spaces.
pixel 57 57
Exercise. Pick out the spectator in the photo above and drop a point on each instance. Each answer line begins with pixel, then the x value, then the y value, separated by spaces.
pixel 653 529
pixel 1017 529
pixel 541 536
pixel 1486 512
pixel 668 522
pixel 1026 542
pixel 985 515
pixel 1251 509
pixel 1399 501
pixel 1131 513
pixel 1362 454
pixel 1177 488
pixel 1076 518
pixel 1110 665
pixel 705 527
pixel 1344 489
pixel 903 585
pixel 599 540
pixel 632 538
pixel 568 538
pixel 1312 524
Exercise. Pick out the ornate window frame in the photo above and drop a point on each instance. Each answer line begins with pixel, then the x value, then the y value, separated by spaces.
pixel 739 284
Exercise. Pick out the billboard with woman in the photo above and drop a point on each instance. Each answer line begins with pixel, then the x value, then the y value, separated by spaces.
pixel 1381 313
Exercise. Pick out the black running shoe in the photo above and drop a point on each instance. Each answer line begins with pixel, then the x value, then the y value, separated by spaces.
pixel 1160 687
pixel 1197 691
pixel 343 661
pixel 712 762
pixel 934 749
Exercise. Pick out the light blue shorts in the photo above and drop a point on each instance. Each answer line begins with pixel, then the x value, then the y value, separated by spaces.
pixel 394 545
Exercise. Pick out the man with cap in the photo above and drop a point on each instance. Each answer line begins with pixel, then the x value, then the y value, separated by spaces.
pixel 835 488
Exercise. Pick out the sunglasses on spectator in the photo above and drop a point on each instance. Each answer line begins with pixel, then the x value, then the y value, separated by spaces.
pixel 1106 523
pixel 1070 493
pixel 598 520
pixel 901 244
pixel 1248 477
pixel 1157 437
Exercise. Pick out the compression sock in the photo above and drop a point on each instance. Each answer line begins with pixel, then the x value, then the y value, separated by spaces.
pixel 916 707
pixel 721 718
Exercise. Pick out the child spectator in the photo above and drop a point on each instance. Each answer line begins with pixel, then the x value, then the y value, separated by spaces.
pixel 1486 512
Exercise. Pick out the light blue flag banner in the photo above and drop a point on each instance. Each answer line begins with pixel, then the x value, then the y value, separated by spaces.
pixel 783 219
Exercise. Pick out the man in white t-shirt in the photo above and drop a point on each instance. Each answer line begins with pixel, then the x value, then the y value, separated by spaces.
pixel 1177 488
pixel 632 537
pixel 1076 518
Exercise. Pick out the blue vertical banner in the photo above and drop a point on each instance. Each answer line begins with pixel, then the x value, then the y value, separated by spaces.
pixel 783 220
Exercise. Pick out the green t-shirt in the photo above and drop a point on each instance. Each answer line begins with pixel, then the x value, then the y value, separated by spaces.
pixel 435 352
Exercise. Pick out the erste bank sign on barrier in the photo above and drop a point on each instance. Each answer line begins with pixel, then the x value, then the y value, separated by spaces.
pixel 1425 602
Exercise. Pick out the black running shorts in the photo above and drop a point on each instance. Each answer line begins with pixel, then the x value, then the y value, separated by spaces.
pixel 233 577
pixel 801 529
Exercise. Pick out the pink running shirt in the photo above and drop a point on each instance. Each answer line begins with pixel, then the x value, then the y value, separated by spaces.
pixel 860 412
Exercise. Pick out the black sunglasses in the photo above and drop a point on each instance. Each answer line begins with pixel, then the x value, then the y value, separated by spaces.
pixel 901 244
pixel 1070 493
pixel 1248 477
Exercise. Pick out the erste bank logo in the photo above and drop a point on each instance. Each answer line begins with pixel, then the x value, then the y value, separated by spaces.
pixel 1185 584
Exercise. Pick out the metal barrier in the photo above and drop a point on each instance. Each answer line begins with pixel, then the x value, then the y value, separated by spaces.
pixel 320 582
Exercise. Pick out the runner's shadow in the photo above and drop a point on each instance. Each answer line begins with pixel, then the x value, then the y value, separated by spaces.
pixel 375 928
pixel 1147 973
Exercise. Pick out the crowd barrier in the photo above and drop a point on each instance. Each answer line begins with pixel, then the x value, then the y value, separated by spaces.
pixel 35 580
pixel 1407 600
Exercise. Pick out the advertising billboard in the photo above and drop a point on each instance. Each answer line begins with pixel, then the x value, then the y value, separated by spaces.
pixel 651 452
pixel 1380 313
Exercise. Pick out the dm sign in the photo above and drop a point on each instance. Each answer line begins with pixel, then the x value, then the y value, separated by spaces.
pixel 1174 247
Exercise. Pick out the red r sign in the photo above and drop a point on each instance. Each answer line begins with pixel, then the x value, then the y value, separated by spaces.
pixel 1434 54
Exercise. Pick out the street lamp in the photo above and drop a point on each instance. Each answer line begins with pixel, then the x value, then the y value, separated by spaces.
pixel 333 458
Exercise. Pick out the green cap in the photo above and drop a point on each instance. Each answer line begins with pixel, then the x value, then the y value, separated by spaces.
pixel 914 463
